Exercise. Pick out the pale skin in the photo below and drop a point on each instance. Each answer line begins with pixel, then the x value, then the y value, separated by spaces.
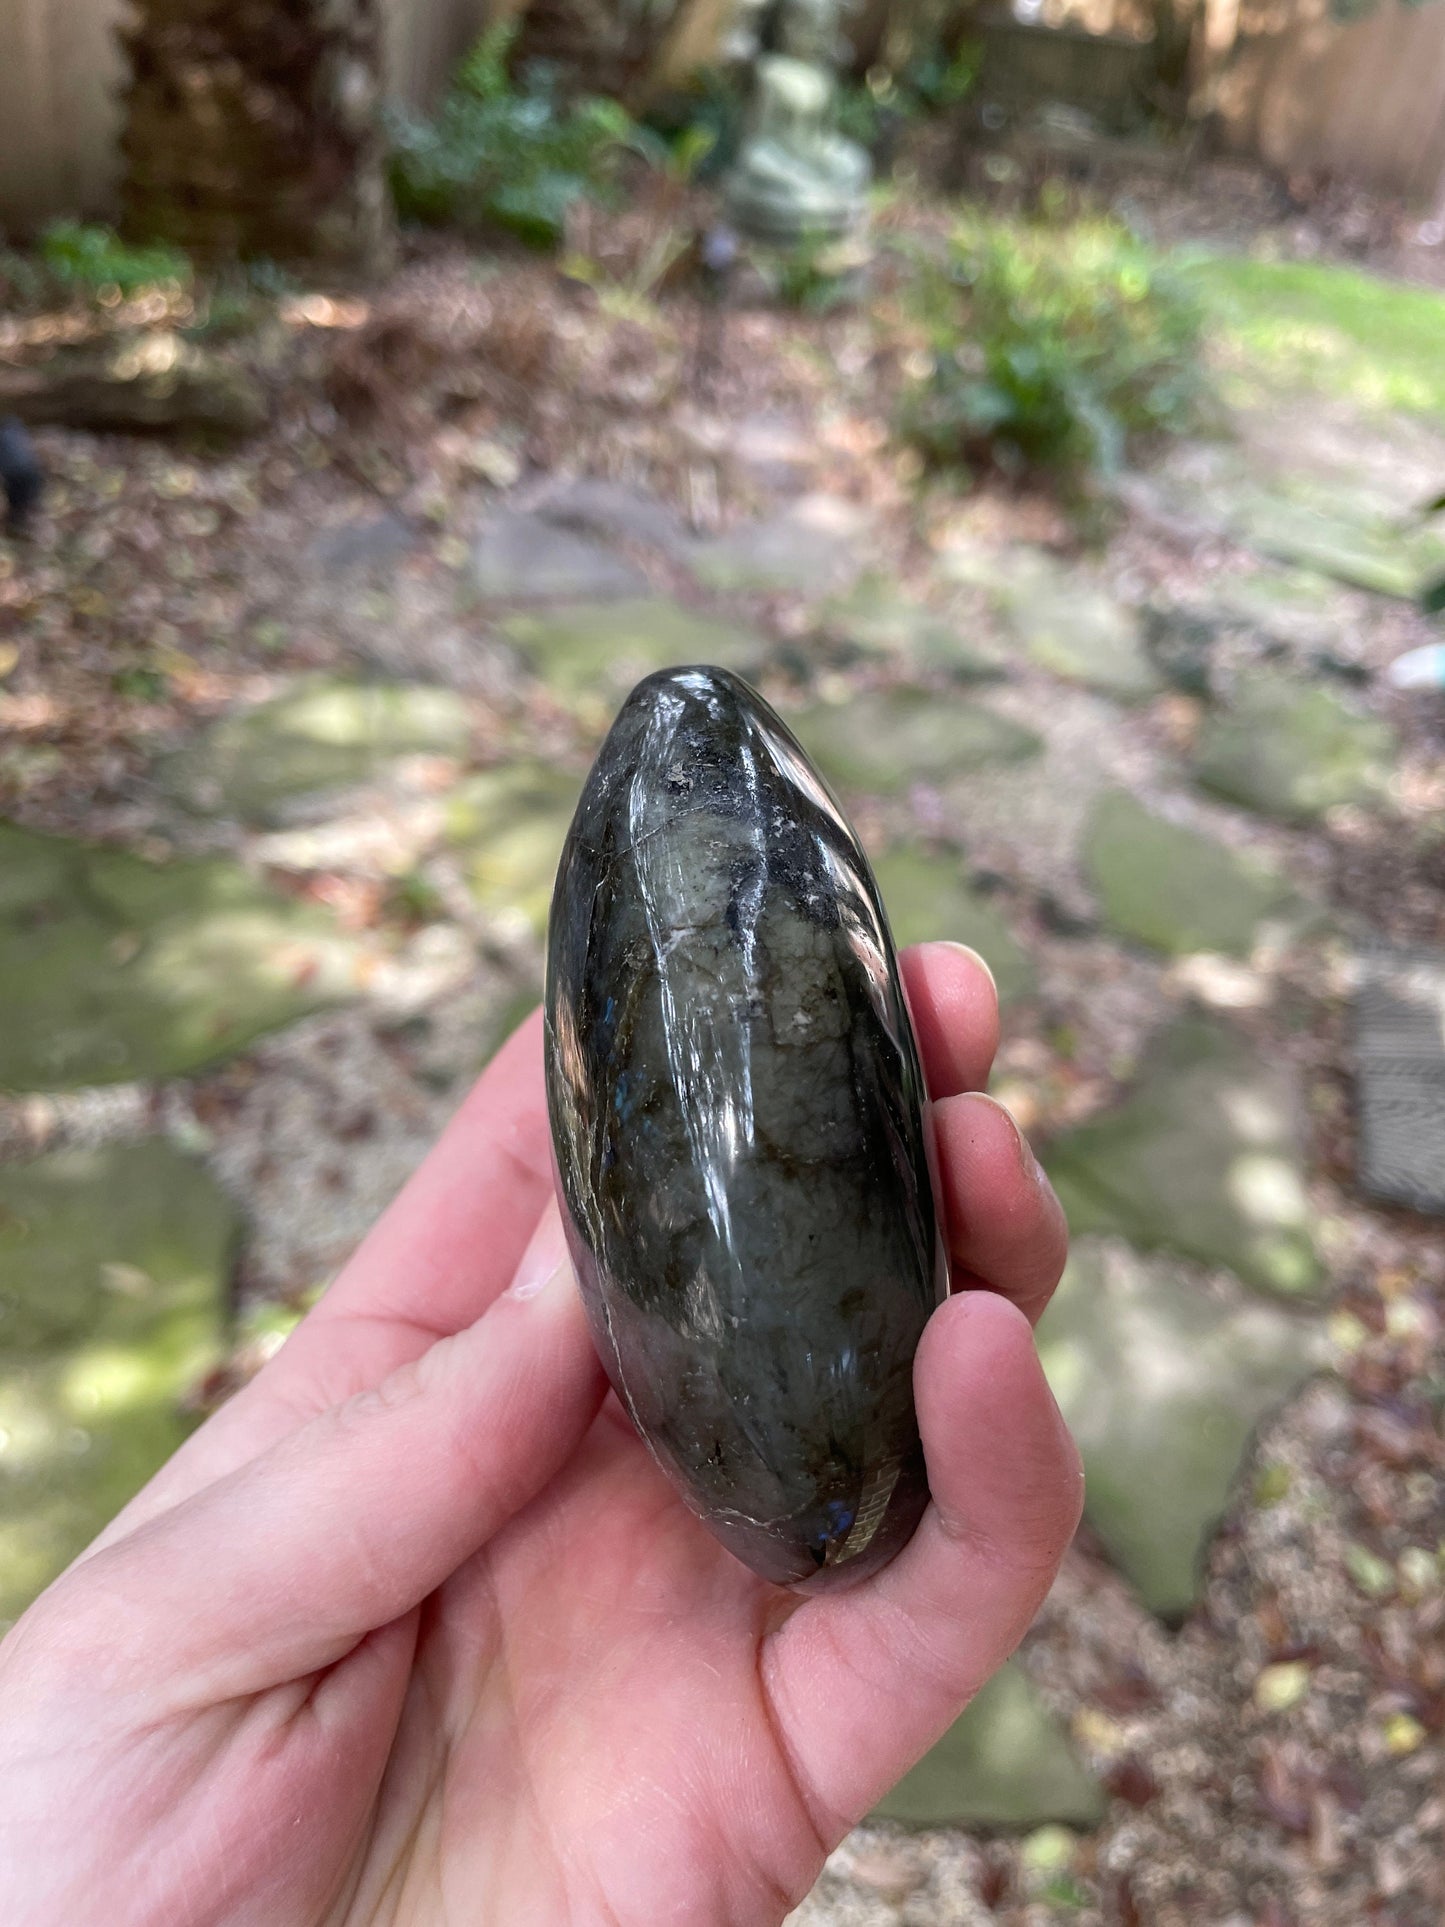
pixel 414 1631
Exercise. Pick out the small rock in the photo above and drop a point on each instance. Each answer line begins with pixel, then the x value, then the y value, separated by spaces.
pixel 524 557
pixel 494 462
pixel 818 545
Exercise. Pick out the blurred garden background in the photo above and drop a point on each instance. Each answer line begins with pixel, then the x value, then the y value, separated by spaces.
pixel 1046 410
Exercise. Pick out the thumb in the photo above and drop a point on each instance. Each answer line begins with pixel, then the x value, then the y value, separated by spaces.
pixel 280 1568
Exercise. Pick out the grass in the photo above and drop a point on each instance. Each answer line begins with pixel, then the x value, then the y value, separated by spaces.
pixel 1310 325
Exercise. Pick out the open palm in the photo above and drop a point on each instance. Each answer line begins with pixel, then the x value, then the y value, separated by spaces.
pixel 415 1630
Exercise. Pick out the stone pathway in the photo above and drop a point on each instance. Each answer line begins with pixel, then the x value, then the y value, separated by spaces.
pixel 114 1264
pixel 1118 799
pixel 129 969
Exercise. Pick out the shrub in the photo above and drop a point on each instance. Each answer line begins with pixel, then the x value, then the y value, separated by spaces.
pixel 92 260
pixel 505 154
pixel 873 111
pixel 1050 349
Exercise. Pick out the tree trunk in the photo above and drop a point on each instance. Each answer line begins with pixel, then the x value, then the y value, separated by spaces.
pixel 253 129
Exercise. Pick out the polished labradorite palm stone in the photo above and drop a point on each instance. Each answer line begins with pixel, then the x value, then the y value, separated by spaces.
pixel 740 1126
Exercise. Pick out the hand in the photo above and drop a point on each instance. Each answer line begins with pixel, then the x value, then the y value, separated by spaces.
pixel 414 1631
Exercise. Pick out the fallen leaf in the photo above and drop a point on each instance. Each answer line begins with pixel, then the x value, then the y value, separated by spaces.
pixel 1131 1781
pixel 1284 1789
pixel 1282 1686
pixel 1403 1734
pixel 1371 1573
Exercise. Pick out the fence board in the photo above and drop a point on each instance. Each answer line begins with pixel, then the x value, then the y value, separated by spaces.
pixel 1365 101
pixel 61 71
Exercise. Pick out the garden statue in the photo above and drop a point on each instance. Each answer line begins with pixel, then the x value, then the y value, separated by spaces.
pixel 796 178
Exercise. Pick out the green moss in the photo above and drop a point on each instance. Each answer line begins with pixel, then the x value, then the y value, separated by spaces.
pixel 885 740
pixel 509 825
pixel 1175 890
pixel 113 1264
pixel 1162 1383
pixel 127 969
pixel 927 897
pixel 1202 1158
pixel 1006 1763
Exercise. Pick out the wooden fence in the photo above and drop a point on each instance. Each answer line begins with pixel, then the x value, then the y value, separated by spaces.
pixel 1366 101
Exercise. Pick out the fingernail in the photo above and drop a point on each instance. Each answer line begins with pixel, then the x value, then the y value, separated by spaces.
pixel 544 1259
pixel 967 950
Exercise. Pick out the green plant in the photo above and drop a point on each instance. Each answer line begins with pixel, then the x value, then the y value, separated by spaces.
pixel 506 154
pixel 816 274
pixel 141 684
pixel 1050 348
pixel 412 899
pixel 930 82
pixel 94 260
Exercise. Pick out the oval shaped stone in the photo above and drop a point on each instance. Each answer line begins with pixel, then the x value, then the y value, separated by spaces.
pixel 741 1134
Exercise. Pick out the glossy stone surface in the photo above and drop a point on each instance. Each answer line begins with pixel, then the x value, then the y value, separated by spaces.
pixel 740 1127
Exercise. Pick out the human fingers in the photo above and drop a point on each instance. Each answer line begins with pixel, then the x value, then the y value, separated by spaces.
pixel 1006 1229
pixel 954 1003
pixel 1003 1224
pixel 863 1682
pixel 281 1567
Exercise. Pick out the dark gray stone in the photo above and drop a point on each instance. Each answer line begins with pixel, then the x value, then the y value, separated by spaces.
pixel 365 545
pixel 614 512
pixel 736 1104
